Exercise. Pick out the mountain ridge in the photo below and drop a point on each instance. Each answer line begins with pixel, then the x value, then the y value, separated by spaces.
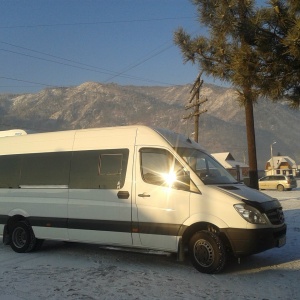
pixel 221 128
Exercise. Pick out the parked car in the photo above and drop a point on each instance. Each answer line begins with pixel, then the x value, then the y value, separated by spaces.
pixel 279 182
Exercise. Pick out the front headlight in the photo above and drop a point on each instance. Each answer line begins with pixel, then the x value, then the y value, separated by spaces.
pixel 250 214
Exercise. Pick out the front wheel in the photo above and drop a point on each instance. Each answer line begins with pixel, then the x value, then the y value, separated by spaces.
pixel 22 237
pixel 207 252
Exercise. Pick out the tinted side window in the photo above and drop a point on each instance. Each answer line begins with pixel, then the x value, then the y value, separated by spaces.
pixel 34 169
pixel 10 167
pixel 45 169
pixel 110 171
pixel 99 169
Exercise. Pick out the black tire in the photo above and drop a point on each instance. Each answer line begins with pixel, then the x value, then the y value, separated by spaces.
pixel 22 238
pixel 207 252
pixel 280 187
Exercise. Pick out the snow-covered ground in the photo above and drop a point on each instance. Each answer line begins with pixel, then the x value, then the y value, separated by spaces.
pixel 79 271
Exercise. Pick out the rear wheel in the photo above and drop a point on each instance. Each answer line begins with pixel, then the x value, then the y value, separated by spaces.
pixel 207 252
pixel 22 238
pixel 280 187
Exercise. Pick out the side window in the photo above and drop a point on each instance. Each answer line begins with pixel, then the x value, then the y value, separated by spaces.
pixel 110 171
pixel 10 167
pixel 154 164
pixel 159 167
pixel 34 169
pixel 99 169
pixel 84 170
pixel 45 169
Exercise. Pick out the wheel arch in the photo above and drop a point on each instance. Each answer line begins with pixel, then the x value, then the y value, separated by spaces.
pixel 205 226
pixel 16 215
pixel 198 222
pixel 12 220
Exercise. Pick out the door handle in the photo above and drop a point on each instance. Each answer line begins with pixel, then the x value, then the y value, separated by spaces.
pixel 123 195
pixel 143 195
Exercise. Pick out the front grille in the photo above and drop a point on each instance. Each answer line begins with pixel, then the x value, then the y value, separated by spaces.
pixel 275 216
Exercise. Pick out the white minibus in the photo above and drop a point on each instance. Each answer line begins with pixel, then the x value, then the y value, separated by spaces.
pixel 131 186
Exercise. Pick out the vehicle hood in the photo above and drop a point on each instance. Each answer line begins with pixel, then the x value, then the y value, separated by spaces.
pixel 249 196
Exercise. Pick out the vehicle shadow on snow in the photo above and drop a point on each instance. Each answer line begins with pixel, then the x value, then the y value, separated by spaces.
pixel 155 260
pixel 113 256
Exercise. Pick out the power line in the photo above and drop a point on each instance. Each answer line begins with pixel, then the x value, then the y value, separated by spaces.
pixel 54 56
pixel 79 65
pixel 16 86
pixel 130 67
pixel 96 23
pixel 139 63
pixel 53 61
pixel 27 81
pixel 85 67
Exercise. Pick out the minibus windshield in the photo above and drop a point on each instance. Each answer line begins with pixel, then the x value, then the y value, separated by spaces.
pixel 206 167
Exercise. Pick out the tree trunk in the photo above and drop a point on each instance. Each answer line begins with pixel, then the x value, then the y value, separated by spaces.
pixel 251 143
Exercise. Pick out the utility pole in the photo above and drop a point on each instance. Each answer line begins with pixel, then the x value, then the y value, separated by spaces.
pixel 195 103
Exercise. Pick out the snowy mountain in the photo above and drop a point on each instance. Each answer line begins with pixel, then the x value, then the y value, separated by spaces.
pixel 222 127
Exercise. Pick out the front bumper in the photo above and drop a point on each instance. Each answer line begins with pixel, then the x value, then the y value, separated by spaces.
pixel 250 241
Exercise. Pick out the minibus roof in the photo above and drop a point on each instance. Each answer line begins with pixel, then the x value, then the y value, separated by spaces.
pixel 177 140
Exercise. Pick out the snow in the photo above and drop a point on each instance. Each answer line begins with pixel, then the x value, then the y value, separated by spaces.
pixel 80 271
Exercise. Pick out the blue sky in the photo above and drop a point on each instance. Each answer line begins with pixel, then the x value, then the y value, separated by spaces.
pixel 68 42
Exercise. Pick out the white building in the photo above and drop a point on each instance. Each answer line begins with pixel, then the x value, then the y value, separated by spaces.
pixel 281 165
pixel 230 164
